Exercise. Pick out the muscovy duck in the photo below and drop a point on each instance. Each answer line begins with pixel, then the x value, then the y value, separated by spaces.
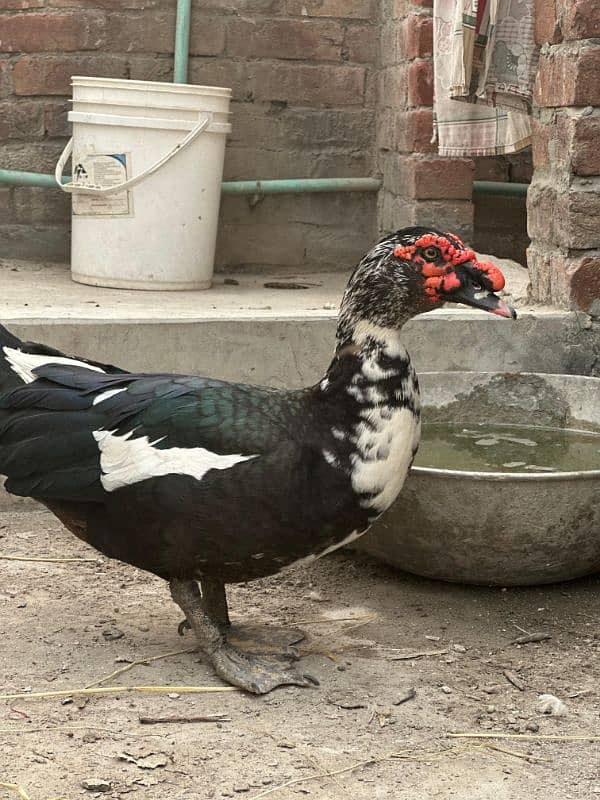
pixel 199 480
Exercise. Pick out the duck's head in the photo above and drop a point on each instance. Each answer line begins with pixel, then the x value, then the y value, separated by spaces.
pixel 416 270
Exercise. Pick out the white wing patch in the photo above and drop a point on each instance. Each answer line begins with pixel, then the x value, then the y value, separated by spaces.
pixel 100 398
pixel 24 363
pixel 125 461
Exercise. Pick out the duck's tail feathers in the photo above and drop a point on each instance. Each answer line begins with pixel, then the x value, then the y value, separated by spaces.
pixel 18 359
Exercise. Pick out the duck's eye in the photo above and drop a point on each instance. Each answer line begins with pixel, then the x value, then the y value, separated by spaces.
pixel 431 253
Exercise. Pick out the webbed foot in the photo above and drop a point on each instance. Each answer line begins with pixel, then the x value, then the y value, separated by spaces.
pixel 266 640
pixel 256 674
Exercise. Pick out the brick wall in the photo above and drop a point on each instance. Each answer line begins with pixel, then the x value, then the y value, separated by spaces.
pixel 321 88
pixel 303 80
pixel 564 199
pixel 418 185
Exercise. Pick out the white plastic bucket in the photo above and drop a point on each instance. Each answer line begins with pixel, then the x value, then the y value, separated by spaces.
pixel 147 172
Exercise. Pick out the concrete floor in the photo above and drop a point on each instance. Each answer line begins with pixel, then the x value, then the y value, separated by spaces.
pixel 278 337
pixel 32 290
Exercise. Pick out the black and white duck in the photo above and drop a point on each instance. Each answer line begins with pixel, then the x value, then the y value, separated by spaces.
pixel 199 480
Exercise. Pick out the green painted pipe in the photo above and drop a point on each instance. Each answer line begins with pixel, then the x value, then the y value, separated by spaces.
pixel 500 187
pixel 13 177
pixel 182 41
pixel 9 177
pixel 302 185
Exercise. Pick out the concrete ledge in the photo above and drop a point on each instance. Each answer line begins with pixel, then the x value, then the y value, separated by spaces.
pixel 274 337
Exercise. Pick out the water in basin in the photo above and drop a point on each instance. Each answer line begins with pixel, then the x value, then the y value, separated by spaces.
pixel 507 448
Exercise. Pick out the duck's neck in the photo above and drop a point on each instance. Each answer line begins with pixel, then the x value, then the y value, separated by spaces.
pixel 376 400
pixel 373 362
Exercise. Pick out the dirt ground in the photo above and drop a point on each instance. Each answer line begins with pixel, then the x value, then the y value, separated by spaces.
pixel 66 625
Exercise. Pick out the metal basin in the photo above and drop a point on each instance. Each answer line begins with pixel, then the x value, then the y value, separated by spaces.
pixel 498 528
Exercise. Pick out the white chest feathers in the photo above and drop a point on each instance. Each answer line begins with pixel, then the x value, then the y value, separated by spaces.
pixel 386 436
pixel 385 442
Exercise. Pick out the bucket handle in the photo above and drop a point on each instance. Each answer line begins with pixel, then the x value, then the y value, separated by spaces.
pixel 108 190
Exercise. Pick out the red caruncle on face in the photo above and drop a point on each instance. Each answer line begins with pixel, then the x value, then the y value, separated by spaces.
pixel 442 278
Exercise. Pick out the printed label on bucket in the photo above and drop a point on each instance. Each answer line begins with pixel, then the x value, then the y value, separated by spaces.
pixel 95 169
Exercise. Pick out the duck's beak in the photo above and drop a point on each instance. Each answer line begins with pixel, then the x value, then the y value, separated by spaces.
pixel 487 301
pixel 474 294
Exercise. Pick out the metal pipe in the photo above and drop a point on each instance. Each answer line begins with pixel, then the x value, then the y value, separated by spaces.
pixel 500 187
pixel 302 185
pixel 13 177
pixel 9 177
pixel 182 41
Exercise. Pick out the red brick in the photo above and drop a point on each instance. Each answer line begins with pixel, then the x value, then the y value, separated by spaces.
pixel 21 120
pixel 547 26
pixel 52 74
pixel 568 77
pixel 548 284
pixel 415 37
pixel 343 9
pixel 583 275
pixel 420 83
pixel 568 143
pixel 568 281
pixel 304 85
pixel 361 44
pixel 540 140
pixel 586 146
pixel 38 32
pixel 427 178
pixel 566 218
pixel 20 5
pixel 287 39
pixel 414 131
pixel 145 32
pixel 437 179
pixel 581 19
pixel 109 5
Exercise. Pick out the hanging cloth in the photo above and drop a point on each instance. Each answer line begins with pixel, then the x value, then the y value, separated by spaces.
pixel 485 60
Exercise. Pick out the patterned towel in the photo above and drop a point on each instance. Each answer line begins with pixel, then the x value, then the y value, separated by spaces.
pixel 485 60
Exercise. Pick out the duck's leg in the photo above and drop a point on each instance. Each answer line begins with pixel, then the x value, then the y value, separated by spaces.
pixel 254 673
pixel 265 640
pixel 262 639
pixel 214 601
